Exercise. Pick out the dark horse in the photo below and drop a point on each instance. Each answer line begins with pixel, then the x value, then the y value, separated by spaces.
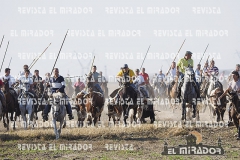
pixel 11 106
pixel 39 93
pixel 94 101
pixel 235 111
pixel 129 100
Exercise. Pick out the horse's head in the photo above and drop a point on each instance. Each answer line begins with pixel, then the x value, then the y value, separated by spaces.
pixel 6 85
pixel 57 97
pixel 189 72
pixel 26 86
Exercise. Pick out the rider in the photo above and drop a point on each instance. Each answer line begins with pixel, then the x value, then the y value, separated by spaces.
pixel 160 76
pixel 182 63
pixel 140 84
pixel 127 75
pixel 212 70
pixel 102 80
pixel 2 97
pixel 172 75
pixel 58 84
pixel 22 73
pixel 79 86
pixel 146 79
pixel 36 79
pixel 95 76
pixel 237 69
pixel 235 86
pixel 198 74
pixel 11 82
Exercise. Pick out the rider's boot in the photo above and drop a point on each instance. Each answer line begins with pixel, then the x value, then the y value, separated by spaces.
pixel 45 112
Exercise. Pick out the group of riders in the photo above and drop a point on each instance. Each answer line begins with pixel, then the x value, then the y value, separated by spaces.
pixel 139 82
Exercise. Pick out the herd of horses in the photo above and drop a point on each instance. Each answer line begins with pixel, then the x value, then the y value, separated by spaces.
pixel 123 101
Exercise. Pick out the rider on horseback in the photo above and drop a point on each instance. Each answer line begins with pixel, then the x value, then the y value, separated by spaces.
pixel 36 79
pixel 182 63
pixel 127 74
pixel 95 76
pixel 140 84
pixel 146 79
pixel 172 75
pixel 11 82
pixel 234 85
pixel 212 70
pixel 58 84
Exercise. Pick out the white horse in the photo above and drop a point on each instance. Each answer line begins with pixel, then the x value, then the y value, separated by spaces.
pixel 26 105
pixel 213 85
pixel 58 113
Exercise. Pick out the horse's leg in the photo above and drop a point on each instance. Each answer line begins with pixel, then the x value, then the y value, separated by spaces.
pixel 55 128
pixel 183 110
pixel 218 115
pixel 222 114
pixel 23 114
pixel 14 122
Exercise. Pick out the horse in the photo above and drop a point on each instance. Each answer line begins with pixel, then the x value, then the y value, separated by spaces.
pixel 218 107
pixel 58 113
pixel 129 97
pixel 160 90
pixel 26 102
pixel 150 91
pixel 189 95
pixel 235 111
pixel 213 84
pixel 39 93
pixel 95 101
pixel 173 93
pixel 11 106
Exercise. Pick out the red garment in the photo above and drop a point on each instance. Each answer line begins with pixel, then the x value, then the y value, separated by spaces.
pixel 80 85
pixel 146 77
pixel 1 83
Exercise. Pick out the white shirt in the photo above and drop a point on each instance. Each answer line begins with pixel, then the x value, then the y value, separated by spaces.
pixel 22 74
pixel 11 79
pixel 235 86
pixel 230 77
pixel 160 77
pixel 139 80
pixel 24 80
pixel 173 72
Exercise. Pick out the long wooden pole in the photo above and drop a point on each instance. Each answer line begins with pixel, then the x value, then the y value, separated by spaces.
pixel 176 56
pixel 145 57
pixel 38 57
pixel 2 41
pixel 4 56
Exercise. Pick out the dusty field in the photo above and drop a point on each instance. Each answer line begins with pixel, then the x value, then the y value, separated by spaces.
pixel 140 142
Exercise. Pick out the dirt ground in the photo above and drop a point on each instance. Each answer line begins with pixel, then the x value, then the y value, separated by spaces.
pixel 145 141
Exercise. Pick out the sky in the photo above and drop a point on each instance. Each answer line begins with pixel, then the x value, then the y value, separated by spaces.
pixel 91 24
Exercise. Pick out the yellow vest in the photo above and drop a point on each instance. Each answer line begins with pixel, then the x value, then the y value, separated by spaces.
pixel 182 63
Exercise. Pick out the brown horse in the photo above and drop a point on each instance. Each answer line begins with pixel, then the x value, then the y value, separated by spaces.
pixel 218 107
pixel 39 93
pixel 173 93
pixel 11 106
pixel 235 111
